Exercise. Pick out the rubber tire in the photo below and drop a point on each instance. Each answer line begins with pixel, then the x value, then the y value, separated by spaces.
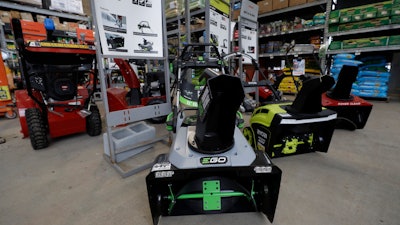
pixel 159 119
pixel 12 116
pixel 93 122
pixel 37 128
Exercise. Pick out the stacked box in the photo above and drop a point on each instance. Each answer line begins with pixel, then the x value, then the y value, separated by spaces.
pixel 394 40
pixel 264 6
pixel 280 4
pixel 359 13
pixel 297 2
pixel 335 45
pixel 334 17
pixel 364 24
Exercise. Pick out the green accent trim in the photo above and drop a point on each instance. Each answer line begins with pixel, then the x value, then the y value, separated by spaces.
pixel 172 198
pixel 266 118
pixel 291 146
pixel 187 102
pixel 211 201
pixel 310 139
pixel 201 195
pixel 169 118
pixel 240 115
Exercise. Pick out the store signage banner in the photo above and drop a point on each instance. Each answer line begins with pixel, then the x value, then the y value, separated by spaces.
pixel 130 28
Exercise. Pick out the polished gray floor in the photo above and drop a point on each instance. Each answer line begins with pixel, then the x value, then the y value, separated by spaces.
pixel 356 182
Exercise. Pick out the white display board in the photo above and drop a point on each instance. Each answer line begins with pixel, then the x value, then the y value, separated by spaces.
pixel 248 38
pixel 249 29
pixel 130 28
pixel 219 29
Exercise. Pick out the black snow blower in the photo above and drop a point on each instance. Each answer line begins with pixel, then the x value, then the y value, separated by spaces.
pixel 211 168
pixel 352 111
pixel 303 126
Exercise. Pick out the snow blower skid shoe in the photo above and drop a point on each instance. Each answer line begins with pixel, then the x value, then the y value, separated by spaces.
pixel 303 126
pixel 352 111
pixel 211 168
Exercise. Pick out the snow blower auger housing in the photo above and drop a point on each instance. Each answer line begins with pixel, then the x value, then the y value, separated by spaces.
pixel 211 168
pixel 56 101
pixel 303 126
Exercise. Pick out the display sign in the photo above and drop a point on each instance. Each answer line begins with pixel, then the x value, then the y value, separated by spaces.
pixel 131 28
pixel 219 30
pixel 249 39
pixel 249 10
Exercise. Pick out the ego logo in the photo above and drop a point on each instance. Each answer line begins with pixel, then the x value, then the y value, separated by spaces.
pixel 213 160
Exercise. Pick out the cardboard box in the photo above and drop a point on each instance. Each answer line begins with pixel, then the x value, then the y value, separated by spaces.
pixel 40 18
pixel 15 14
pixel 297 2
pixel 235 14
pixel 264 6
pixel 30 2
pixel 72 6
pixel 26 16
pixel 280 4
pixel 5 16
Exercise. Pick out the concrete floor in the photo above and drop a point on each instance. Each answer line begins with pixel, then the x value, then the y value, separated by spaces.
pixel 356 182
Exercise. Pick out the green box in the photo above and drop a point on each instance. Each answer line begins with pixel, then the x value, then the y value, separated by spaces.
pixel 335 45
pixel 379 41
pixel 370 13
pixel 395 11
pixel 357 17
pixel 363 43
pixel 395 20
pixel 333 28
pixel 349 44
pixel 348 26
pixel 334 17
pixel 394 40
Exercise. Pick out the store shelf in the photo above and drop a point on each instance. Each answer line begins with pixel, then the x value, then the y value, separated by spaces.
pixel 293 8
pixel 280 54
pixel 364 30
pixel 313 28
pixel 361 50
pixel 16 6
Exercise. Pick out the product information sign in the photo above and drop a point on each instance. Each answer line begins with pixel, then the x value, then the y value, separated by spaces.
pixel 219 30
pixel 130 27
pixel 248 39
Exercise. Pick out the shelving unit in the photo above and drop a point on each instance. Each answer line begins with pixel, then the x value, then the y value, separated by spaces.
pixel 196 23
pixel 367 29
pixel 6 44
pixel 300 35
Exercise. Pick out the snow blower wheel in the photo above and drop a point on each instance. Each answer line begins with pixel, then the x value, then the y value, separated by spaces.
pixel 93 122
pixel 37 128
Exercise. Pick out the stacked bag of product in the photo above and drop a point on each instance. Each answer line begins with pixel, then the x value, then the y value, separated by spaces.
pixel 373 77
pixel 340 60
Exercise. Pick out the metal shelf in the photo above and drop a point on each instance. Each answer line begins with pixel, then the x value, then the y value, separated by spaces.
pixel 294 8
pixel 319 27
pixel 361 50
pixel 364 30
pixel 280 54
pixel 16 6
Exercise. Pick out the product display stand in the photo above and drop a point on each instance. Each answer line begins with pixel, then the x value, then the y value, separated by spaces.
pixel 141 38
